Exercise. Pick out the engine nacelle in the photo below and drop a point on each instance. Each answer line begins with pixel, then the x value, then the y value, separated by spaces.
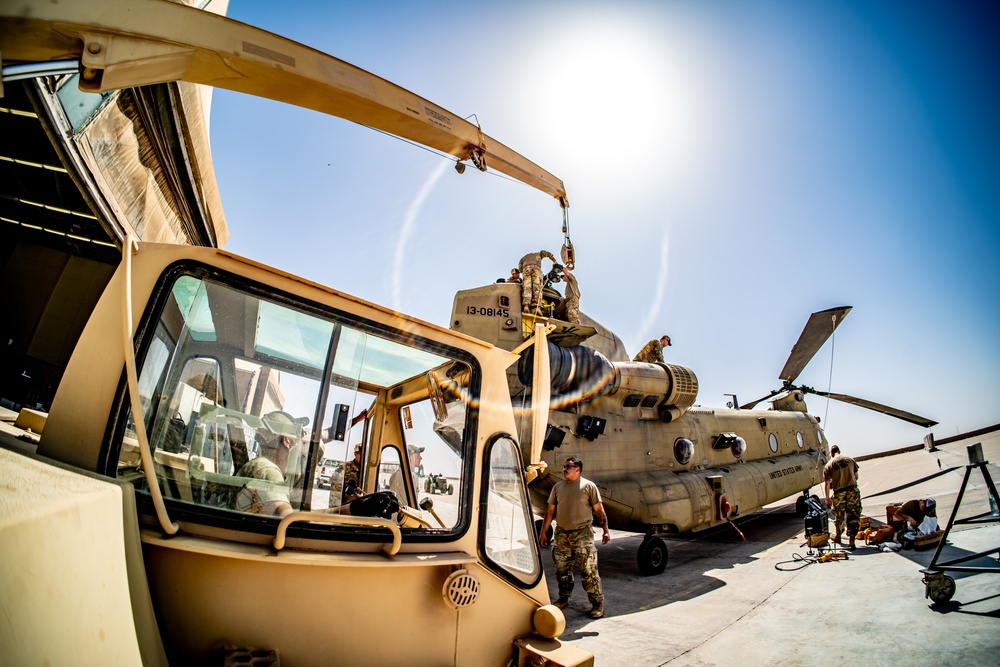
pixel 580 374
pixel 677 386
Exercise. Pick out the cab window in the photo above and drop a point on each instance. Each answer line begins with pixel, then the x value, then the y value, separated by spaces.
pixel 245 395
pixel 508 537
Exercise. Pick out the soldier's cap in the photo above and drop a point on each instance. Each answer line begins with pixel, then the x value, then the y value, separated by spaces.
pixel 282 423
pixel 413 449
pixel 930 504
pixel 357 449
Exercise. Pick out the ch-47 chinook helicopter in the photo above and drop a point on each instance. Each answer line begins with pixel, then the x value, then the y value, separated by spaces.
pixel 184 522
pixel 662 464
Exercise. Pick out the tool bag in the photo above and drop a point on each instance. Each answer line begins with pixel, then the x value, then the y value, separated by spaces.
pixel 879 534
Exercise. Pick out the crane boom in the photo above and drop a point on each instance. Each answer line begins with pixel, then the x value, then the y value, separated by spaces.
pixel 127 43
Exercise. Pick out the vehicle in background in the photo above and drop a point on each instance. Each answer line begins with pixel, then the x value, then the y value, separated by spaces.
pixel 435 483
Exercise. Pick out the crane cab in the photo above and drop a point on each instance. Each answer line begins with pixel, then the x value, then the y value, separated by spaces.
pixel 248 381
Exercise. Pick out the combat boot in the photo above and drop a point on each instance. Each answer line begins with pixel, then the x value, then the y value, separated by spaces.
pixel 836 538
pixel 561 602
pixel 597 611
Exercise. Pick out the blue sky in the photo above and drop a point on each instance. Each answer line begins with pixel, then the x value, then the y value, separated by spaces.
pixel 731 167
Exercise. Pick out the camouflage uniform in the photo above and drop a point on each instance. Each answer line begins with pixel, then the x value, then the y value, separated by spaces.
pixel 352 472
pixel 572 298
pixel 264 496
pixel 841 471
pixel 651 351
pixel 577 545
pixel 847 502
pixel 530 267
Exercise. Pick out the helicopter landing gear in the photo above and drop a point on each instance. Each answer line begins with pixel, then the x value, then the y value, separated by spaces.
pixel 651 556
pixel 939 587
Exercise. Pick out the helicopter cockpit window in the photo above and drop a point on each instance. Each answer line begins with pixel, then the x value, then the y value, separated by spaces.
pixel 683 451
pixel 508 538
pixel 258 405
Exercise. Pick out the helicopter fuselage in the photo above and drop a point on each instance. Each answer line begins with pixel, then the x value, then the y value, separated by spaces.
pixel 662 464
pixel 637 464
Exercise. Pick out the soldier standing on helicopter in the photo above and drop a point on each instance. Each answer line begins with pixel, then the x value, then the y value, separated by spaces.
pixel 572 296
pixel 530 267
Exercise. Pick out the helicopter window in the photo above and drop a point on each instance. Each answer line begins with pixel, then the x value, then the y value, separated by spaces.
pixel 245 397
pixel 508 538
pixel 683 450
pixel 632 400
pixel 798 439
pixel 772 440
pixel 738 447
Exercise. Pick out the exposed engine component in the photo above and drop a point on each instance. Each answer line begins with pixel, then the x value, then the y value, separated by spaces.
pixel 581 374
pixel 578 373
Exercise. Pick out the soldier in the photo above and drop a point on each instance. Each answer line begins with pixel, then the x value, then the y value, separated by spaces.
pixel 530 267
pixel 352 477
pixel 397 483
pixel 515 276
pixel 653 350
pixel 914 512
pixel 574 502
pixel 842 474
pixel 572 296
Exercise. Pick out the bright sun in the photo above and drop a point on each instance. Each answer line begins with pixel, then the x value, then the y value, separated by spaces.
pixel 614 96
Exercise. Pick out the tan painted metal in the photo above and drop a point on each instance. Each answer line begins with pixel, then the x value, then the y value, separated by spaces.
pixel 313 599
pixel 648 408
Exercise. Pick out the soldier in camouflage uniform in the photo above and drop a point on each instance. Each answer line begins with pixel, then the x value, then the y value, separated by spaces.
pixel 574 502
pixel 530 267
pixel 572 296
pixel 352 473
pixel 653 350
pixel 841 473
pixel 269 496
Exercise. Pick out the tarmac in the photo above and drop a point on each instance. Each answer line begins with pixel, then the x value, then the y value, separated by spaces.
pixel 767 601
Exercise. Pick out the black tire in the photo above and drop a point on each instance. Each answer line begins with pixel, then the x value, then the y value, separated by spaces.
pixel 943 591
pixel 651 556
pixel 451 489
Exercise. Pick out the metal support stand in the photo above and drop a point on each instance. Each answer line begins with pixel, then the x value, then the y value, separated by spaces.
pixel 939 587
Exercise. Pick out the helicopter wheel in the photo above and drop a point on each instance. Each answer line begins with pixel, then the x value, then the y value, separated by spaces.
pixel 651 556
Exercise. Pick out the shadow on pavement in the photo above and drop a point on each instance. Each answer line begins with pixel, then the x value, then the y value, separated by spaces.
pixel 690 558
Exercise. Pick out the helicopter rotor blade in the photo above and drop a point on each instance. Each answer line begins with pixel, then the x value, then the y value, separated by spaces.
pixel 748 406
pixel 878 407
pixel 819 327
